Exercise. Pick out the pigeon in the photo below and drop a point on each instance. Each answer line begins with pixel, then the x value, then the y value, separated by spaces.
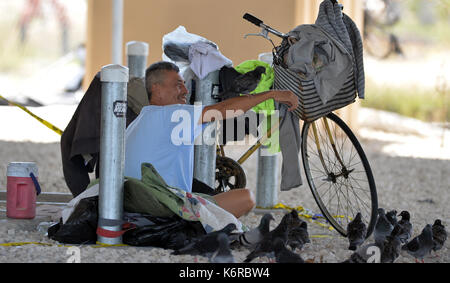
pixel 405 226
pixel 266 246
pixel 439 235
pixel 388 252
pixel 254 236
pixel 356 258
pixel 391 247
pixel 295 221
pixel 298 236
pixel 383 228
pixel 207 244
pixel 356 232
pixel 284 255
pixel 421 245
pixel 392 217
pixel 223 253
pixel 246 83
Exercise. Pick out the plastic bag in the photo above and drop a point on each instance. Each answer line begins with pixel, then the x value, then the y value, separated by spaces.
pixel 176 45
pixel 168 233
pixel 80 227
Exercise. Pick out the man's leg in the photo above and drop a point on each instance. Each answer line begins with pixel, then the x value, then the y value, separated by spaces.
pixel 238 201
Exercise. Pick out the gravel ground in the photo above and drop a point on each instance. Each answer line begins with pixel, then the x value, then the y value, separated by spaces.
pixel 411 173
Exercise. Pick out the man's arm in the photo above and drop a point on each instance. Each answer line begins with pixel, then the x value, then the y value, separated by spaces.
pixel 237 106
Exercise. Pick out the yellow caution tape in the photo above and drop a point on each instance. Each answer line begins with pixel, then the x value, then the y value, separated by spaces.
pixel 46 123
pixel 25 243
pixel 102 245
pixel 320 236
pixel 300 208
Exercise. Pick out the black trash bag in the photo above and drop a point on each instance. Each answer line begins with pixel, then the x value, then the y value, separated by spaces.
pixel 80 227
pixel 168 233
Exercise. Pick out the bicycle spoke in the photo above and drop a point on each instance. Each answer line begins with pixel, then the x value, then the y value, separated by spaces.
pixel 321 176
pixel 349 204
pixel 352 157
pixel 356 179
pixel 329 200
pixel 358 198
pixel 346 198
pixel 318 169
pixel 317 189
pixel 354 164
pixel 359 187
pixel 365 191
pixel 338 201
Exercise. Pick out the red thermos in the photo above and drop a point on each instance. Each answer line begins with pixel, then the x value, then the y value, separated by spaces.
pixel 22 189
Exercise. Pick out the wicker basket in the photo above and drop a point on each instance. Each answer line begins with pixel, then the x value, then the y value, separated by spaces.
pixel 310 105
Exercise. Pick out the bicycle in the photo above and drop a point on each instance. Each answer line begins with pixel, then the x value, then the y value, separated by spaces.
pixel 378 41
pixel 336 167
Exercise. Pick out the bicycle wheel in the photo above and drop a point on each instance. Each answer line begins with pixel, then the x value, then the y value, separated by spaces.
pixel 229 175
pixel 339 176
pixel 377 43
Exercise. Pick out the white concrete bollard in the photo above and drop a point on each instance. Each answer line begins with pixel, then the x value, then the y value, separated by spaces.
pixel 114 80
pixel 137 53
pixel 267 172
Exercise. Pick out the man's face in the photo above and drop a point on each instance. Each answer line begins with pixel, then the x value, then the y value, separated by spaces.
pixel 171 91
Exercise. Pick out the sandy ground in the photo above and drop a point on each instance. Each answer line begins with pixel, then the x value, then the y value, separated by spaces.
pixel 411 173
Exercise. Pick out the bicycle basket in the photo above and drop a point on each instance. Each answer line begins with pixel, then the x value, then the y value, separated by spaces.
pixel 310 105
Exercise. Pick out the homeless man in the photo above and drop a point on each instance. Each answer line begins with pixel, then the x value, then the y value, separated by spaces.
pixel 154 136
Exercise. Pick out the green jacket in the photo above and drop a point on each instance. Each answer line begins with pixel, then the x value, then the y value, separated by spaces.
pixel 264 85
pixel 151 195
pixel 267 107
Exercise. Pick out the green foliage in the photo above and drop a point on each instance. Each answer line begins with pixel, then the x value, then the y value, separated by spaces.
pixel 426 105
pixel 410 25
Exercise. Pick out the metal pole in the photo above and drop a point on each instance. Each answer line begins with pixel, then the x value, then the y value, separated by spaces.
pixel 267 173
pixel 114 80
pixel 267 180
pixel 205 153
pixel 117 31
pixel 137 53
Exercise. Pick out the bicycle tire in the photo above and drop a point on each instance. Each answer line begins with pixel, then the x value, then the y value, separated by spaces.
pixel 338 180
pixel 229 175
pixel 378 43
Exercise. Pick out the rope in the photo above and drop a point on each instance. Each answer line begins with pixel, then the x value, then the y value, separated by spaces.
pixel 308 214
pixel 46 123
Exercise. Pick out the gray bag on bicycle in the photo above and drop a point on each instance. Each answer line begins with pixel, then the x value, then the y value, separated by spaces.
pixel 339 33
pixel 318 70
pixel 319 64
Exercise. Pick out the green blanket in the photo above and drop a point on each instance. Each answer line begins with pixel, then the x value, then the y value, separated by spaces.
pixel 152 196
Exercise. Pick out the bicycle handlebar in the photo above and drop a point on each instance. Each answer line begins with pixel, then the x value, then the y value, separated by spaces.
pixel 265 28
pixel 254 20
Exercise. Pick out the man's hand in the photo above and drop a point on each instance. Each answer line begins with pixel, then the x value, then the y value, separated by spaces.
pixel 287 97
